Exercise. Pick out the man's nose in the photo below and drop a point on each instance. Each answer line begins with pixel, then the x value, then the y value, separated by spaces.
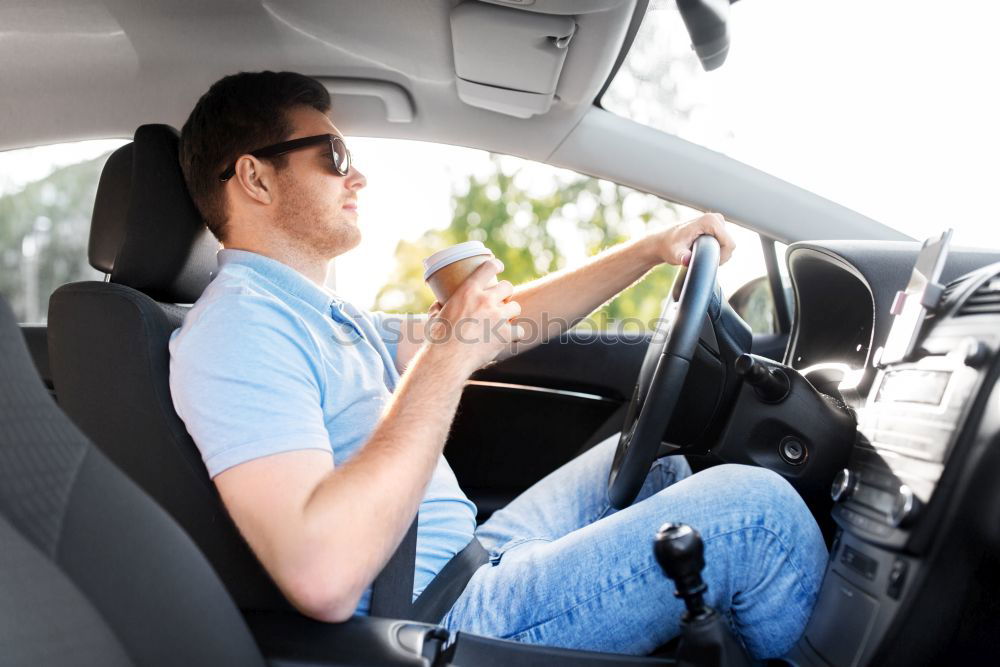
pixel 355 179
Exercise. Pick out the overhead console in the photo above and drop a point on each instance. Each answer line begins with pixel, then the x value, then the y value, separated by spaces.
pixel 509 54
pixel 508 60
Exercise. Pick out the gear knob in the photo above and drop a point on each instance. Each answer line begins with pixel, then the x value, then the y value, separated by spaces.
pixel 681 554
pixel 706 639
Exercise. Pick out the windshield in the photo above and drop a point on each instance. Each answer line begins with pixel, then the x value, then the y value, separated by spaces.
pixel 889 108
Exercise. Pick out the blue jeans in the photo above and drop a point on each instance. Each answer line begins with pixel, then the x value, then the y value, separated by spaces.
pixel 567 570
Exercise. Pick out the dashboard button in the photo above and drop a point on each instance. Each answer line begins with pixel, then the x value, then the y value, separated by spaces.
pixel 897 578
pixel 864 565
pixel 904 507
pixel 976 353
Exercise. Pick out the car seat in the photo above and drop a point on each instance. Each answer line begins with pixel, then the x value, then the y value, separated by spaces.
pixel 108 348
pixel 91 571
pixel 110 362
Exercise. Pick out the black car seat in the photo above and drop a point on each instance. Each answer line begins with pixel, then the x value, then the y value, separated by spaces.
pixel 94 574
pixel 110 362
pixel 108 348
pixel 91 571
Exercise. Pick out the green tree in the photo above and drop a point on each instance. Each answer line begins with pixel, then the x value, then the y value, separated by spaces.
pixel 532 236
pixel 43 237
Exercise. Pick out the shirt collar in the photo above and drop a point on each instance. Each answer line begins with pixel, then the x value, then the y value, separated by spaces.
pixel 282 275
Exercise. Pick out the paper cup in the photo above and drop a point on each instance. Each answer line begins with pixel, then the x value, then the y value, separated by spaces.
pixel 446 269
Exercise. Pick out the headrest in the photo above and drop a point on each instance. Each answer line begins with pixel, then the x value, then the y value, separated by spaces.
pixel 146 232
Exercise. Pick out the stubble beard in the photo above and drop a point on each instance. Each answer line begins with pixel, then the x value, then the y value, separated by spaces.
pixel 315 231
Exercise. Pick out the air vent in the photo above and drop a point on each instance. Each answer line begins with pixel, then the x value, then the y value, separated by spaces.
pixel 944 304
pixel 985 300
pixel 951 288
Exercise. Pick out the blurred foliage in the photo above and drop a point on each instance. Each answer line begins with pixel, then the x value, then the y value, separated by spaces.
pixel 658 82
pixel 43 237
pixel 534 235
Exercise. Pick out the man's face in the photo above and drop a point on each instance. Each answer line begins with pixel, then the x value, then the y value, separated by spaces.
pixel 315 205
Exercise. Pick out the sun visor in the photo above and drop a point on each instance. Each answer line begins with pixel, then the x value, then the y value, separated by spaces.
pixel 509 60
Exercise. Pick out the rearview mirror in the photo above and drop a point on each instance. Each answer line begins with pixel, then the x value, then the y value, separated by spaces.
pixel 706 23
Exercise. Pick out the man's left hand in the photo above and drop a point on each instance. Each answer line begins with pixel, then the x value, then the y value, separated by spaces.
pixel 673 245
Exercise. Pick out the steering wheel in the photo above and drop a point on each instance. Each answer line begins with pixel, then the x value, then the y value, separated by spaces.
pixel 661 378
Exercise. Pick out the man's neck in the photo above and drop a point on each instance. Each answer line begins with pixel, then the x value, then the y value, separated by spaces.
pixel 313 268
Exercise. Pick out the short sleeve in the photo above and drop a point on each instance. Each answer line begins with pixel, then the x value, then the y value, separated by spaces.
pixel 245 379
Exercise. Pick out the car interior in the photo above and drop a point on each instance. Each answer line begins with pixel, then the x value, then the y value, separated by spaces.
pixel 875 396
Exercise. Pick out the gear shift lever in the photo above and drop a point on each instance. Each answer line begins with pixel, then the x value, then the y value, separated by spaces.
pixel 681 555
pixel 705 638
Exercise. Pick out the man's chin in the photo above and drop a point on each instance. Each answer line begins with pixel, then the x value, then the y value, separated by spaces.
pixel 346 236
pixel 353 233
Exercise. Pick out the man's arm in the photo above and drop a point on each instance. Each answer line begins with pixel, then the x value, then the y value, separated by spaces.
pixel 324 532
pixel 553 303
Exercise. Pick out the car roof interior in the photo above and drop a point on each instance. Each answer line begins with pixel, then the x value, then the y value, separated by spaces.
pixel 164 55
pixel 430 70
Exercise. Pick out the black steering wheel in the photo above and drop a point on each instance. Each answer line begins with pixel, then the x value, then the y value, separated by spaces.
pixel 661 378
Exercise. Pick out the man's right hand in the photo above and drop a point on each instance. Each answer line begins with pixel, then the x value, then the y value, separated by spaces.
pixel 474 325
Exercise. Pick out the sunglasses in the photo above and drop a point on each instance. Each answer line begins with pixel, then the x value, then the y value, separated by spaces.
pixel 339 155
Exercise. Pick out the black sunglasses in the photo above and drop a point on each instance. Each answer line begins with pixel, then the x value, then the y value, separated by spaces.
pixel 339 155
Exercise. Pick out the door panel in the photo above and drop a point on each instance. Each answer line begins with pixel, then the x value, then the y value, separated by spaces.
pixel 524 417
pixel 506 437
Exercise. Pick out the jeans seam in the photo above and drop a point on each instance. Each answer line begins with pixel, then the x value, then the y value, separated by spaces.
pixel 516 635
pixel 603 513
pixel 497 555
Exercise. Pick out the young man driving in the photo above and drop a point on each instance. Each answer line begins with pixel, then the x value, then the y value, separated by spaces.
pixel 324 433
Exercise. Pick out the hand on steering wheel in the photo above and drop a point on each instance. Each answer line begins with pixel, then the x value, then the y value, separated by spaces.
pixel 661 378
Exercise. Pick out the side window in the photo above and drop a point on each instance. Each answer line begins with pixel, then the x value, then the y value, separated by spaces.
pixel 46 198
pixel 534 217
pixel 538 219
pixel 744 282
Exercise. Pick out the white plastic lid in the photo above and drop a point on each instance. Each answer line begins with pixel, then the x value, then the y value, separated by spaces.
pixel 443 258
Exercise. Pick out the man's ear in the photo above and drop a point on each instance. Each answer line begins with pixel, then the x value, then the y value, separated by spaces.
pixel 255 179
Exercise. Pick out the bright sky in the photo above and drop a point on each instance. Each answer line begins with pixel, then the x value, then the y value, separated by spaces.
pixel 888 107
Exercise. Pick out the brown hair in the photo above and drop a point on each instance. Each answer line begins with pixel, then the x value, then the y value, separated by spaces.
pixel 239 113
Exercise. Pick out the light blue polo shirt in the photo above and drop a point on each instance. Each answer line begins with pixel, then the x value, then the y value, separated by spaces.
pixel 268 361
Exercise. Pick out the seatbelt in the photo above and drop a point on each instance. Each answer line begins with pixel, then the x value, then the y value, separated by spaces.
pixel 441 594
pixel 392 590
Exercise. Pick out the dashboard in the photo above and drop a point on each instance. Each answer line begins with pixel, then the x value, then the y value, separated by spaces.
pixel 925 455
pixel 843 293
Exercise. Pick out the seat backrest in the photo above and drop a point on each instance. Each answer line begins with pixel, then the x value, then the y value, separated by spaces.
pixel 36 336
pixel 108 348
pixel 92 572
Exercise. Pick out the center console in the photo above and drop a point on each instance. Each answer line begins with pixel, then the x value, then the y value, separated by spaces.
pixel 917 416
pixel 906 432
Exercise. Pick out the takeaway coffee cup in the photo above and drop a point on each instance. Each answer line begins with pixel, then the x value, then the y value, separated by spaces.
pixel 446 269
